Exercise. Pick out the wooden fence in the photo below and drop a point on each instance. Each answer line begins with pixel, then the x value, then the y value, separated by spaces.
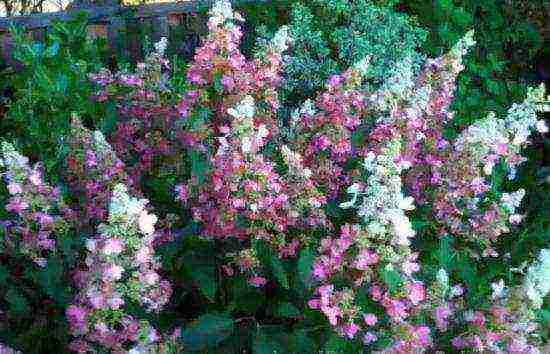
pixel 108 20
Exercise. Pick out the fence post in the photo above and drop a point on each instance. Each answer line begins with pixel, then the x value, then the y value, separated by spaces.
pixel 161 27
pixel 90 4
pixel 115 30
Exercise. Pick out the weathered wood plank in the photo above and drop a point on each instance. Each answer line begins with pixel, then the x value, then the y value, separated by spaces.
pixel 30 22
pixel 97 30
pixel 161 27
pixel 103 14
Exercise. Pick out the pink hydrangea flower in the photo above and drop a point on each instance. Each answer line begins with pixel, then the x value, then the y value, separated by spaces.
pixel 113 246
pixel 442 313
pixel 365 259
pixel 416 292
pixel 350 329
pixel 370 319
pixel 369 338
pixel 15 188
pixel 257 281
pixel 113 273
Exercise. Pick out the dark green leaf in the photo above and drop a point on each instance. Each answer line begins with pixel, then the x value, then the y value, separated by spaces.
pixel 199 166
pixel 207 332
pixel 205 277
pixel 18 304
pixel 286 309
pixel 279 271
pixel 391 278
pixel 305 266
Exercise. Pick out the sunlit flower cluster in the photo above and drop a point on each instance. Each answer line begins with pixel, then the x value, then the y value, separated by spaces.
pixel 374 257
pixel 148 115
pixel 93 169
pixel 506 323
pixel 4 349
pixel 462 173
pixel 39 209
pixel 349 190
pixel 121 268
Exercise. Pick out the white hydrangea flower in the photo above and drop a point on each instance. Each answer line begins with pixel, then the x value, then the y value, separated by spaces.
pixel 161 45
pixel 499 289
pixel 307 109
pixel 245 109
pixel 123 206
pixel 407 203
pixel 442 279
pixel 220 12
pixel 246 144
pixel 368 164
pixel 91 245
pixel 399 86
pixel 99 142
pixel 376 228
pixel 382 205
pixel 511 201
pixel 263 132
pixel 363 65
pixel 456 290
pixel 41 262
pixel 515 218
pixel 541 126
pixel 147 222
pixel 464 44
pixel 281 40
pixel 15 163
pixel 537 280
pixel 294 163
pixel 492 135
pixel 484 135
pixel 402 227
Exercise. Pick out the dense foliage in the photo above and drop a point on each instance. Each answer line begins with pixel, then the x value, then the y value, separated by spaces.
pixel 165 207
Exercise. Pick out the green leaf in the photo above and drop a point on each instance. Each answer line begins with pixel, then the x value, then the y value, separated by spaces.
pixel 62 83
pixel 3 275
pixel 205 277
pixel 244 297
pixel 52 50
pixel 288 310
pixel 198 119
pixel 543 316
pixel 336 344
pixel 199 166
pixel 279 271
pixel 445 253
pixel 466 271
pixel 37 49
pixel 207 332
pixel 18 304
pixel 269 340
pixel 52 281
pixel 301 343
pixel 305 266
pixel 391 278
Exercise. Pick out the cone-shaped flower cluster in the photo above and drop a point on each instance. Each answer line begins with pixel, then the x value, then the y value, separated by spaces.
pixel 506 323
pixel 38 208
pixel 374 257
pixel 121 269
pixel 93 170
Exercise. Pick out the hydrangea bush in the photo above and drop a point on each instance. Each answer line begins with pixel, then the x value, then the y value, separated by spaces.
pixel 319 232
pixel 330 36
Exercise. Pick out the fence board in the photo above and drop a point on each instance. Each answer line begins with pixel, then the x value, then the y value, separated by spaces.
pixel 103 14
pixel 109 21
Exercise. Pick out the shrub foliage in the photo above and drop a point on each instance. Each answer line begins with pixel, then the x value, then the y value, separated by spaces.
pixel 330 191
